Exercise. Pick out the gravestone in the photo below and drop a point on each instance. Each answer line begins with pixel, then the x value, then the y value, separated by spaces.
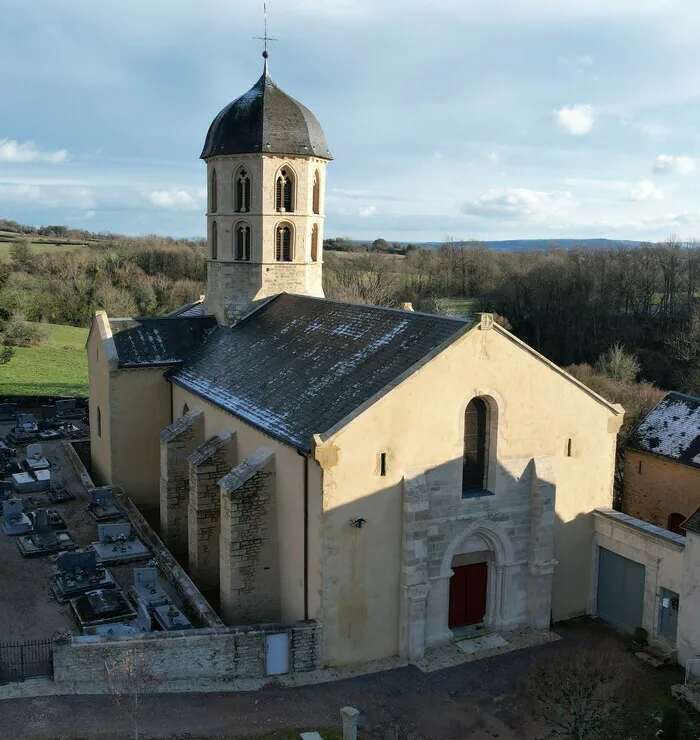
pixel 58 493
pixel 47 520
pixel 14 520
pixel 35 451
pixel 117 544
pixel 146 588
pixel 170 618
pixel 45 542
pixel 8 412
pixel 79 572
pixel 39 480
pixel 102 606
pixel 100 506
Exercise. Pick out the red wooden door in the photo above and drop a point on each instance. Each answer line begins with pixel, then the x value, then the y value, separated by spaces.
pixel 467 595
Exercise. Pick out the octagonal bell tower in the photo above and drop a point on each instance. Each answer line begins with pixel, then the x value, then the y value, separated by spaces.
pixel 266 158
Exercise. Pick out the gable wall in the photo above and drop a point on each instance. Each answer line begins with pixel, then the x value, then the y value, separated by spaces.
pixel 289 472
pixel 420 426
pixel 663 487
pixel 98 391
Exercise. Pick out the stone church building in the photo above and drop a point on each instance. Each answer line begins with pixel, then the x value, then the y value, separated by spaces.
pixel 398 477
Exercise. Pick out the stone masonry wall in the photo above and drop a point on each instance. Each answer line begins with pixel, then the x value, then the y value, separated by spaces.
pixel 660 488
pixel 226 653
pixel 249 555
pixel 177 441
pixel 208 464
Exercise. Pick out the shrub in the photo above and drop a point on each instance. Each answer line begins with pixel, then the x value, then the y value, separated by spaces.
pixel 20 333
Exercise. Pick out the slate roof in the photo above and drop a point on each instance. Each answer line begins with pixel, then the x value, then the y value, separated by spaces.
pixel 151 342
pixel 190 309
pixel 692 524
pixel 671 429
pixel 265 119
pixel 298 365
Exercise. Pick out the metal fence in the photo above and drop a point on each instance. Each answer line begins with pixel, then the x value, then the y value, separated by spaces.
pixel 20 660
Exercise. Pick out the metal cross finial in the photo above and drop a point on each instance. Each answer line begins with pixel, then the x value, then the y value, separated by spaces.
pixel 265 38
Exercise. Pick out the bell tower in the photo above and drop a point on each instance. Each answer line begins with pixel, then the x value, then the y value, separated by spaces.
pixel 266 158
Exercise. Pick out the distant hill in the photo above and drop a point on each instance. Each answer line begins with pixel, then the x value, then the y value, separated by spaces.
pixel 521 245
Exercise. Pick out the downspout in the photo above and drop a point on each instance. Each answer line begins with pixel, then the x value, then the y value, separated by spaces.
pixel 306 534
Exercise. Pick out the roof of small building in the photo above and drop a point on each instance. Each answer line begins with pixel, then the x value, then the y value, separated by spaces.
pixel 196 308
pixel 298 365
pixel 671 429
pixel 692 524
pixel 266 120
pixel 148 342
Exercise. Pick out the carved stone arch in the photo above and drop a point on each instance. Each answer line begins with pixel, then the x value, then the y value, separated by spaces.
pixel 496 539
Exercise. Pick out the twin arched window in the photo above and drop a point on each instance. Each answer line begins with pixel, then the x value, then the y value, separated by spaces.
pixel 317 193
pixel 284 191
pixel 476 445
pixel 213 192
pixel 242 235
pixel 283 243
pixel 242 195
pixel 214 241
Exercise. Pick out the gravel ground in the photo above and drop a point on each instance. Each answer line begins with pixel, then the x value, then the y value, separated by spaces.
pixel 479 701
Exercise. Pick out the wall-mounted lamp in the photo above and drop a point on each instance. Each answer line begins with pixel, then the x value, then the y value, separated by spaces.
pixel 358 522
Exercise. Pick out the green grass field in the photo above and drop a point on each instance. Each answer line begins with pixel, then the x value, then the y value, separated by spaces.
pixel 57 368
pixel 43 248
pixel 462 306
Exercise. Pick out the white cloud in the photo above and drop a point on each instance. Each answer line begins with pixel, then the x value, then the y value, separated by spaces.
pixel 653 130
pixel 585 60
pixel 491 157
pixel 517 203
pixel 576 120
pixel 681 165
pixel 175 200
pixel 12 152
pixel 367 211
pixel 646 190
pixel 50 197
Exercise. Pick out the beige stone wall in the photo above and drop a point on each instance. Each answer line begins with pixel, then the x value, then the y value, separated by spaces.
pixel 233 285
pixel 139 410
pixel 289 472
pixel 100 358
pixel 688 622
pixel 419 424
pixel 660 489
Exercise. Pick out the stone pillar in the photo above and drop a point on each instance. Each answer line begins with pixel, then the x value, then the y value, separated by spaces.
pixel 437 631
pixel 176 442
pixel 349 716
pixel 541 562
pixel 414 568
pixel 207 465
pixel 248 548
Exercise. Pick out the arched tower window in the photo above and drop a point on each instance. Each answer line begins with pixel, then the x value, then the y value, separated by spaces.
pixel 242 235
pixel 314 243
pixel 283 243
pixel 674 523
pixel 213 192
pixel 476 445
pixel 284 191
pixel 214 241
pixel 242 204
pixel 317 192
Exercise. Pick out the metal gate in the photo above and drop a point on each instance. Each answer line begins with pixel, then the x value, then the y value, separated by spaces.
pixel 620 590
pixel 20 660
pixel 277 654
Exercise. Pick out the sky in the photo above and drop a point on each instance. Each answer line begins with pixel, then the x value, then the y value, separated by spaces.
pixel 470 119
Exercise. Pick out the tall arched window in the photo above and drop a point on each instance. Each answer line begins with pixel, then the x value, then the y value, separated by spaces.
pixel 214 241
pixel 317 192
pixel 243 242
pixel 283 244
pixel 314 243
pixel 476 445
pixel 213 192
pixel 242 192
pixel 674 523
pixel 284 191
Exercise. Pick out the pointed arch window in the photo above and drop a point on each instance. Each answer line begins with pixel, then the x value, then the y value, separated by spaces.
pixel 314 243
pixel 476 445
pixel 243 242
pixel 214 241
pixel 284 191
pixel 214 196
pixel 317 192
pixel 283 243
pixel 242 191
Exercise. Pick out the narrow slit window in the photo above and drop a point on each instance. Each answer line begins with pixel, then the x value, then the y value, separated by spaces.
pixel 214 241
pixel 214 193
pixel 639 469
pixel 317 193
pixel 568 447
pixel 476 445
pixel 99 422
pixel 382 464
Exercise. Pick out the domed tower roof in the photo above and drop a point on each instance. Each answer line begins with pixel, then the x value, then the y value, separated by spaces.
pixel 265 120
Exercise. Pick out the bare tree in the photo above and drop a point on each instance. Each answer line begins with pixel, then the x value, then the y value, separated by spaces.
pixel 579 694
pixel 127 677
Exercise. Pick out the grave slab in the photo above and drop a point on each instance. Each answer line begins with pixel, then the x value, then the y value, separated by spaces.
pixel 45 543
pixel 101 506
pixel 117 544
pixel 102 606
pixel 32 482
pixel 146 588
pixel 171 618
pixel 77 573
pixel 14 520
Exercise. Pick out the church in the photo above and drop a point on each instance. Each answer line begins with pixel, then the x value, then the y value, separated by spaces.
pixel 401 478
